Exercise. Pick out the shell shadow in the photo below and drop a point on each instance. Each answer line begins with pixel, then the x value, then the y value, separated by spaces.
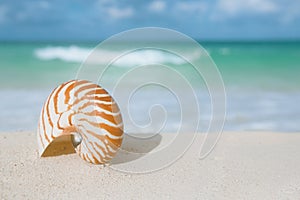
pixel 134 147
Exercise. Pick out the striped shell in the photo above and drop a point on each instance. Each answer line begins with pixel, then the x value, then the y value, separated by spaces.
pixel 88 115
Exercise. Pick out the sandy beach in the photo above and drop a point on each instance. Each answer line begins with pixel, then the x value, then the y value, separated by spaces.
pixel 244 165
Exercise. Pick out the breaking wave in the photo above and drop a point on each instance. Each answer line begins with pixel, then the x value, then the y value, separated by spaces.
pixel 79 54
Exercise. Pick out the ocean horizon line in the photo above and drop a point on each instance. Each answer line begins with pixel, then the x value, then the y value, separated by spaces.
pixel 207 41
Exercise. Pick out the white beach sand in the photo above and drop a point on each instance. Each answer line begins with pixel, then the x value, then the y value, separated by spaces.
pixel 244 165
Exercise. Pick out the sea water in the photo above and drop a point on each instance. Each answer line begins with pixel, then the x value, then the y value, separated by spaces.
pixel 261 80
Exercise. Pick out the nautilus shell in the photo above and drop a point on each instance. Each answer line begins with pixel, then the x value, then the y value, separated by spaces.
pixel 87 116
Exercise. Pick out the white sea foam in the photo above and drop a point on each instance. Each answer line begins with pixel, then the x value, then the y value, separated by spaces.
pixel 141 57
pixel 68 54
pixel 243 113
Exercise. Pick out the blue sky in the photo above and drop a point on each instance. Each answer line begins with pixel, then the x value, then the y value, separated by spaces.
pixel 99 19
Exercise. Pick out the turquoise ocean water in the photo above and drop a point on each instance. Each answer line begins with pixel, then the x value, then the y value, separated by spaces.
pixel 261 79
